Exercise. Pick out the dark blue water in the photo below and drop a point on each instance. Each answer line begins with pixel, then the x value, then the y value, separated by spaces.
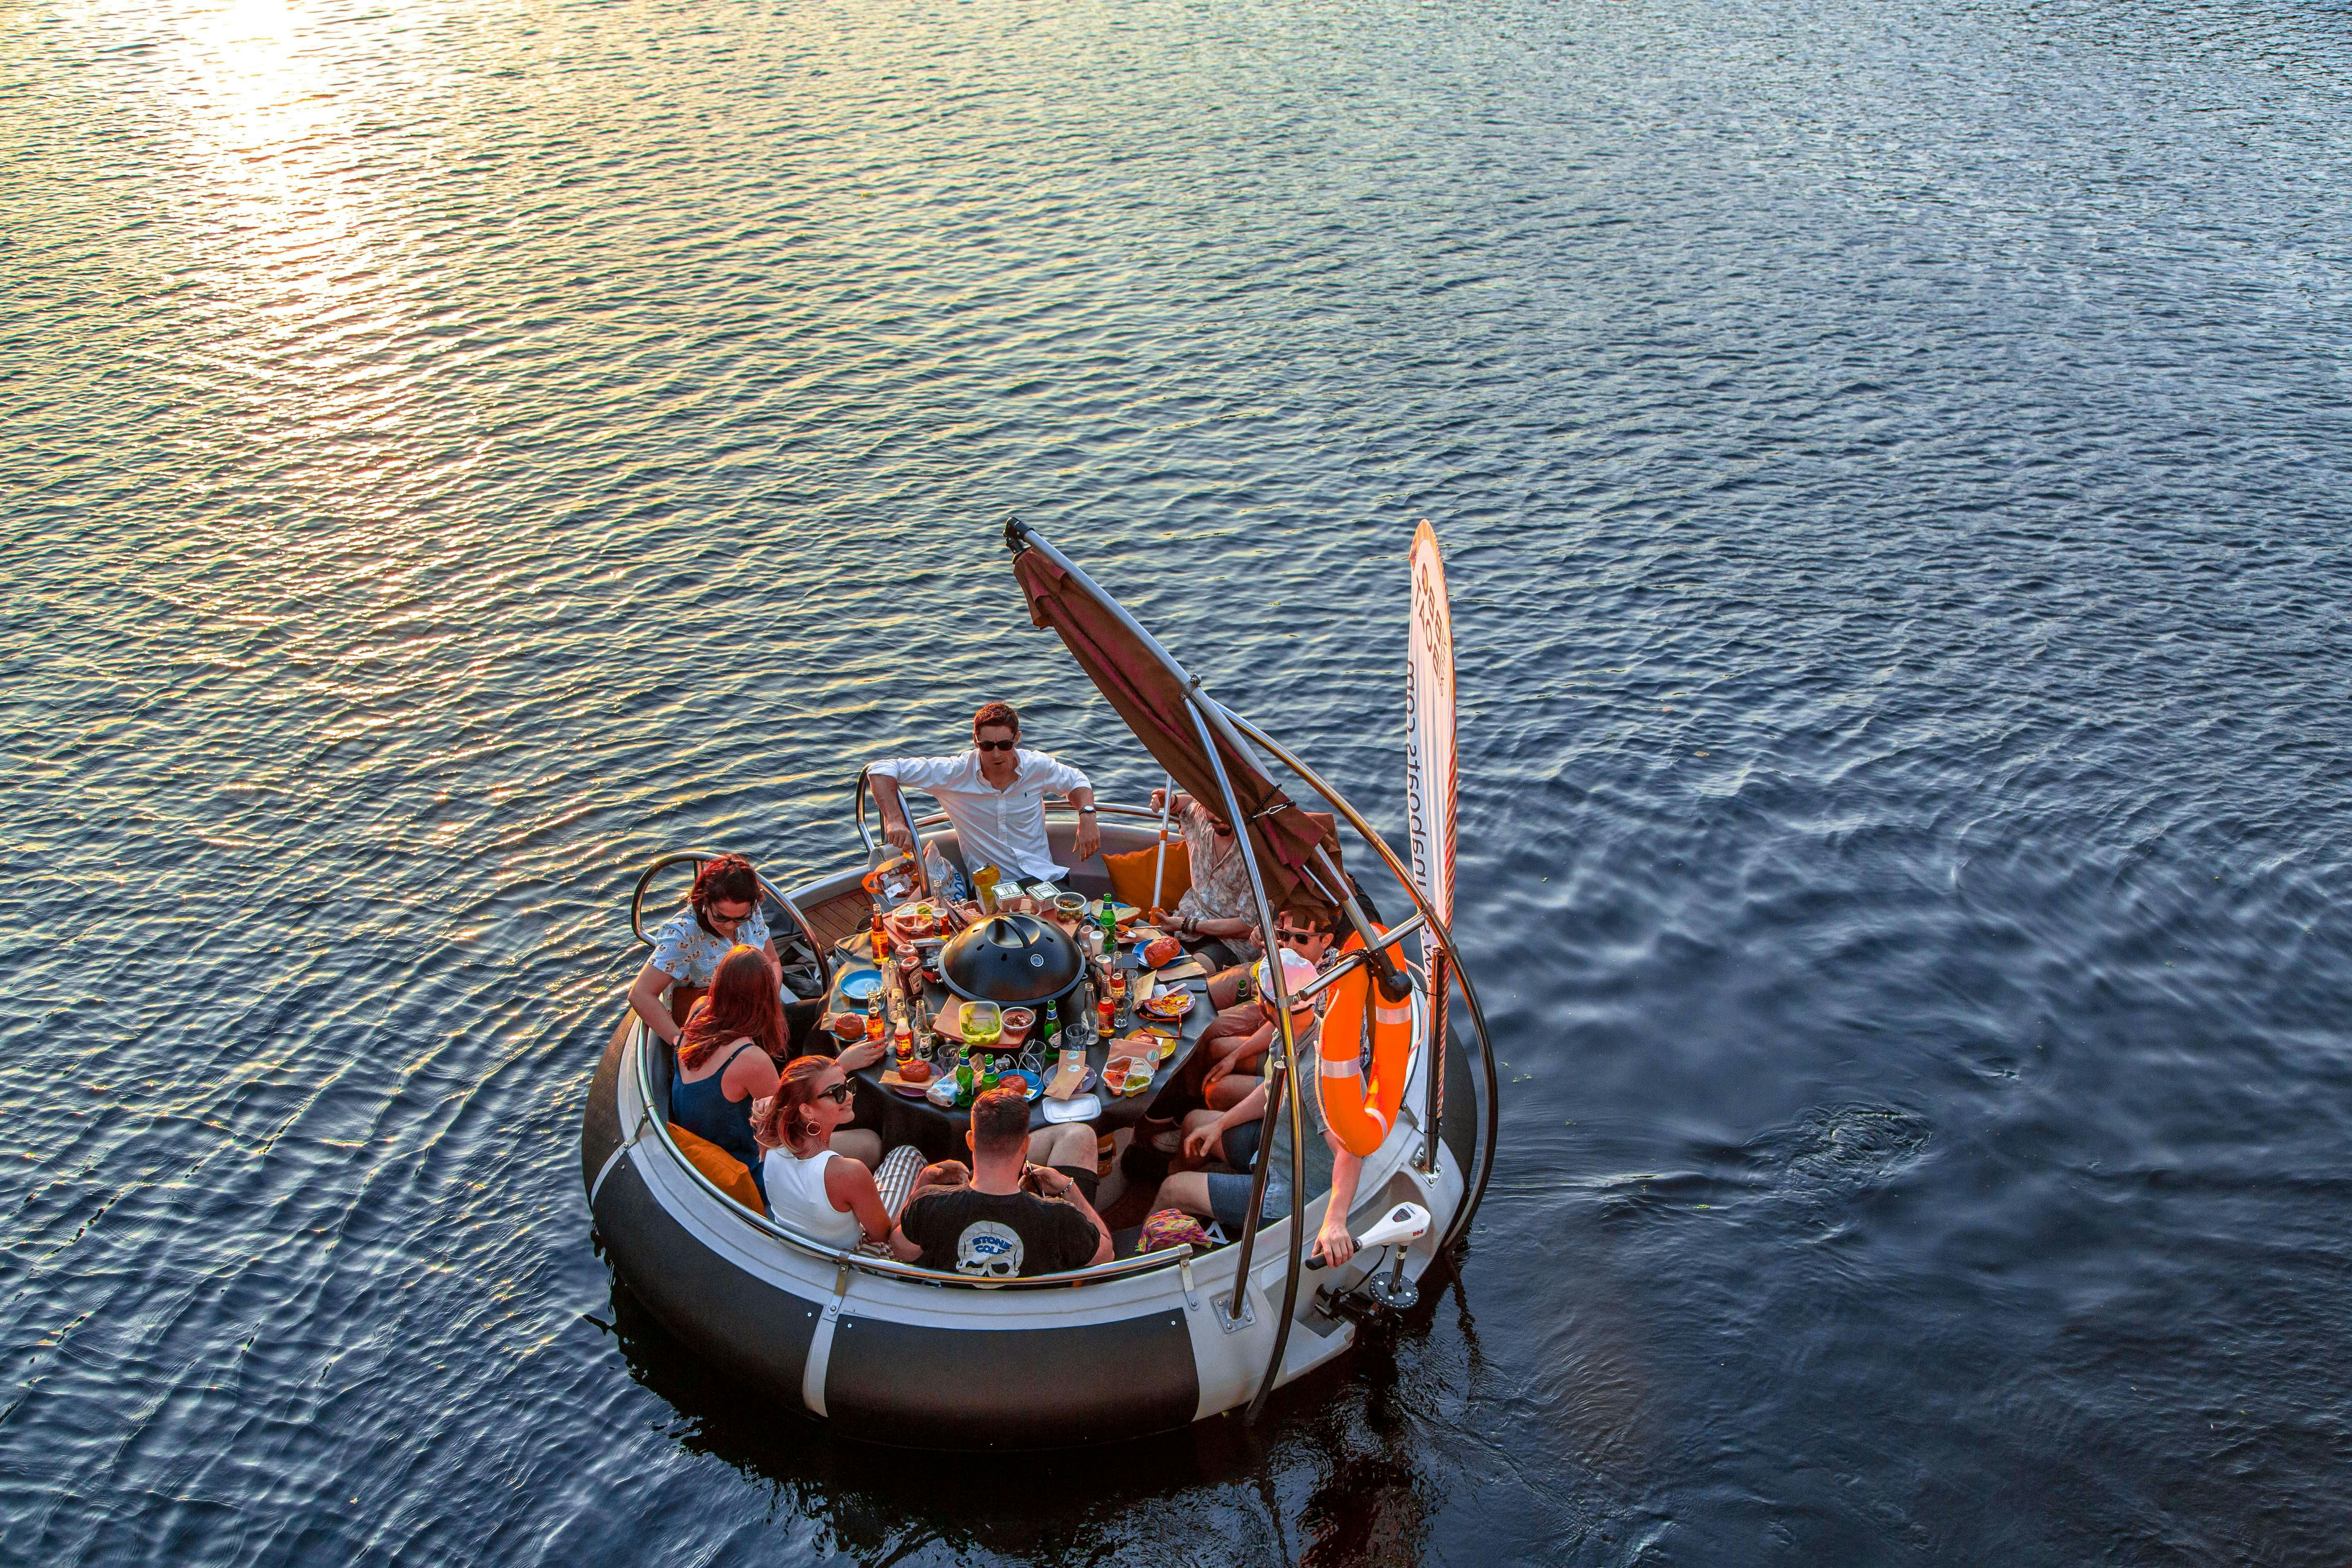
pixel 1894 464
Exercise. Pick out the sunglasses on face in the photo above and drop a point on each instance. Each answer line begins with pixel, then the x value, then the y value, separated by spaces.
pixel 838 1093
pixel 997 745
pixel 1284 933
pixel 730 920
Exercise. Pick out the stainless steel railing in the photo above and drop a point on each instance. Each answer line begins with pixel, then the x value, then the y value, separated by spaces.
pixel 680 857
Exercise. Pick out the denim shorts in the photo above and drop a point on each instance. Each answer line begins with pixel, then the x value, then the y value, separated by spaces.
pixel 1229 1191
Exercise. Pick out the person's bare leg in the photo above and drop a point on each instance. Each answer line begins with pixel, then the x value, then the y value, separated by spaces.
pixel 1186 1190
pixel 1231 1090
pixel 859 1143
pixel 1193 1122
pixel 1070 1145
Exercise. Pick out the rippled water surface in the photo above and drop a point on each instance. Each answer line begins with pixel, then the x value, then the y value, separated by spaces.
pixel 1894 464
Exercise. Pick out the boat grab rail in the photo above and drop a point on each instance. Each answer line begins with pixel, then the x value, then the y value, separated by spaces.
pixel 679 856
pixel 865 1263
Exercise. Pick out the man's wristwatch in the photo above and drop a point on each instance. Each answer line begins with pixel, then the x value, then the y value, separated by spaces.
pixel 1086 811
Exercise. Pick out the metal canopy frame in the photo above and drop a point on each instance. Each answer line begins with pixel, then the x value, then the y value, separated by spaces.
pixel 1283 1091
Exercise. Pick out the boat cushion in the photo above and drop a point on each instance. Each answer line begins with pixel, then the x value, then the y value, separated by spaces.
pixel 1130 876
pixel 726 1171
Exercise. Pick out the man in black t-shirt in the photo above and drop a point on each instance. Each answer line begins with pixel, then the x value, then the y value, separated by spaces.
pixel 1011 1218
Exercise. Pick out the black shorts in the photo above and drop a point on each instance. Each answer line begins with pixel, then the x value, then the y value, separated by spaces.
pixel 1085 1179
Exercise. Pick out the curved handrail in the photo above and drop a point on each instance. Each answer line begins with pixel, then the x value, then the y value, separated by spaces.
pixel 1282 1091
pixel 1491 1109
pixel 857 793
pixel 888 1268
pixel 679 856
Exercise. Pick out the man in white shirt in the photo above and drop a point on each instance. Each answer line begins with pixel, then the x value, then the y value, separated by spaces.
pixel 995 794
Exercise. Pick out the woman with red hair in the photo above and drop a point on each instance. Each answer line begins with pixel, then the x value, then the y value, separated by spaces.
pixel 817 1178
pixel 727 1056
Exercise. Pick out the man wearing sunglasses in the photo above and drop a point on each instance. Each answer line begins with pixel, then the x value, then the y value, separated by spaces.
pixel 994 794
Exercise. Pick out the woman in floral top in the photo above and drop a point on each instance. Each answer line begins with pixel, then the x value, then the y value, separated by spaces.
pixel 1217 915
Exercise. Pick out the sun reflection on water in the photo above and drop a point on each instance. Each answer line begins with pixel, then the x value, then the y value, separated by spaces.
pixel 282 127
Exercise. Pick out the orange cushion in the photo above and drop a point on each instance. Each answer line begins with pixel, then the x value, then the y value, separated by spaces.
pixel 725 1171
pixel 1130 876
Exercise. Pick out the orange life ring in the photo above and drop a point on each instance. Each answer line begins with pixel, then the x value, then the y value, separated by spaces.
pixel 1359 1106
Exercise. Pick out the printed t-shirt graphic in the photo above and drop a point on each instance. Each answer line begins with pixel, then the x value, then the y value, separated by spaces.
pixel 988 1248
pixel 997 1235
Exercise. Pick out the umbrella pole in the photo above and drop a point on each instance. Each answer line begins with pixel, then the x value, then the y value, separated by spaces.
pixel 1159 865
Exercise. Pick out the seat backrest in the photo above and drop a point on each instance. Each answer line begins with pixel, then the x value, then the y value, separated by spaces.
pixel 1130 874
pixel 726 1171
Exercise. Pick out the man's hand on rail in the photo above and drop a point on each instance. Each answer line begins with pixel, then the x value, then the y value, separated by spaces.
pixel 895 832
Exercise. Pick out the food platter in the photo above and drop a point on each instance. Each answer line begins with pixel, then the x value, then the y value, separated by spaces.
pixel 1149 1043
pixel 1128 1074
pixel 1167 1006
pixel 899 1084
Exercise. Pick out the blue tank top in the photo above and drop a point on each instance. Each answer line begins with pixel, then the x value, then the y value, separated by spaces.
pixel 703 1108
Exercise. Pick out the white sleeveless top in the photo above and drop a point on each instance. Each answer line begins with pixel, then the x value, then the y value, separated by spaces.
pixel 796 1197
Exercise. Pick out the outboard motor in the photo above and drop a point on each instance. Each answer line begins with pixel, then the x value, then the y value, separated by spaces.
pixel 1394 1231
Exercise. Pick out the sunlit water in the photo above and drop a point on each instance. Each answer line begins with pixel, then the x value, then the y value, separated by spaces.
pixel 1894 464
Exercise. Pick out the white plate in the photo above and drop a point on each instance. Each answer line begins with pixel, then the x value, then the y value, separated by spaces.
pixel 1077 1108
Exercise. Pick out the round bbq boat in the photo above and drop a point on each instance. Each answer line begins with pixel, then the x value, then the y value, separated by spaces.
pixel 888 1352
